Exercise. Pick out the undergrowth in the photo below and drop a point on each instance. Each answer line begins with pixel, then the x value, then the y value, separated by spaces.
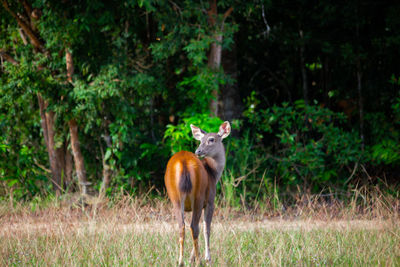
pixel 303 230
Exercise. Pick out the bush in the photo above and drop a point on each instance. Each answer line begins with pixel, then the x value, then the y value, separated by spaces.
pixel 305 144
pixel 179 137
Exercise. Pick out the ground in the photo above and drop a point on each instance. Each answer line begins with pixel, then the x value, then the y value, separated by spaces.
pixel 144 235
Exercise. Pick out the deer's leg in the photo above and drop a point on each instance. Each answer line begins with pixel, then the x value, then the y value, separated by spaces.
pixel 179 214
pixel 207 218
pixel 194 227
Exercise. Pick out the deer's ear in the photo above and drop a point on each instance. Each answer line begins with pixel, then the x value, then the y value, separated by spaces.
pixel 224 129
pixel 198 133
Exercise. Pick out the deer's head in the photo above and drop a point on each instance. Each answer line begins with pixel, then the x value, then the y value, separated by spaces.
pixel 210 143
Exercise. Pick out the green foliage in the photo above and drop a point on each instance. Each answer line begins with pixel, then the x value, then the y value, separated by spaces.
pixel 19 173
pixel 179 137
pixel 142 76
pixel 307 143
pixel 193 38
pixel 385 150
pixel 21 150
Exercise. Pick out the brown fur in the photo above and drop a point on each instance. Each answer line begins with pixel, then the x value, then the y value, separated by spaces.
pixel 188 180
pixel 182 169
pixel 191 185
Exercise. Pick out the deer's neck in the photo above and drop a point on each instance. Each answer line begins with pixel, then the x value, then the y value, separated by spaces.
pixel 219 159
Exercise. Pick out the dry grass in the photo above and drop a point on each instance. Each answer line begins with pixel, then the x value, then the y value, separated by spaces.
pixel 137 232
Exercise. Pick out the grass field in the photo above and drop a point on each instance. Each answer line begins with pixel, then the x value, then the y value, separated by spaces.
pixel 134 235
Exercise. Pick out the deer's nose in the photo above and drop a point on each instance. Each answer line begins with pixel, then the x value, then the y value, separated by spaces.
pixel 199 152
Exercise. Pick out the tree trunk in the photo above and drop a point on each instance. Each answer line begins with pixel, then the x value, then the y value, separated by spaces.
pixel 34 39
pixel 7 57
pixel 65 162
pixel 73 131
pixel 359 76
pixel 106 178
pixel 303 68
pixel 214 62
pixel 360 103
pixel 107 172
pixel 214 57
pixel 47 122
pixel 78 157
pixel 59 158
pixel 47 119
pixel 68 168
pixel 70 65
pixel 326 79
pixel 230 106
pixel 60 152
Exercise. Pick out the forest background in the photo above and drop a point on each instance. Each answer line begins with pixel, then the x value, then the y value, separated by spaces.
pixel 95 96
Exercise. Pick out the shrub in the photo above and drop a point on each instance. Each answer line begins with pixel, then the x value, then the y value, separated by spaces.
pixel 305 144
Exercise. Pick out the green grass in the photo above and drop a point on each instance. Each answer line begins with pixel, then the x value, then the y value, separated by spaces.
pixel 105 242
pixel 139 232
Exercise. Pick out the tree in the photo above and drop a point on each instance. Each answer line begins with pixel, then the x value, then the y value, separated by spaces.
pixel 27 19
pixel 92 88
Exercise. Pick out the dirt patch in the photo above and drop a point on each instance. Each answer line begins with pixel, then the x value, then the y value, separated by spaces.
pixel 97 226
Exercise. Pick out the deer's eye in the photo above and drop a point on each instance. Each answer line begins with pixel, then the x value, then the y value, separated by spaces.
pixel 211 140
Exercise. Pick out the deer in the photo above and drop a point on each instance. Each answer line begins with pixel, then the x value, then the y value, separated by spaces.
pixel 191 180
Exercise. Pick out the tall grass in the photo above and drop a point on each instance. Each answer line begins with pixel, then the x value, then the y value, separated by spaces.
pixel 246 244
pixel 315 230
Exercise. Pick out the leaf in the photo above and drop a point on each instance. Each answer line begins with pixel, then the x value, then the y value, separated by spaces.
pixel 12 182
pixel 108 154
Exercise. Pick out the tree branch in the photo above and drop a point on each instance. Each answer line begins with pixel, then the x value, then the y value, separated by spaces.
pixel 35 41
pixel 28 8
pixel 212 12
pixel 42 107
pixel 227 13
pixel 23 37
pixel 70 65
pixel 4 55
pixel 176 7
pixel 268 28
